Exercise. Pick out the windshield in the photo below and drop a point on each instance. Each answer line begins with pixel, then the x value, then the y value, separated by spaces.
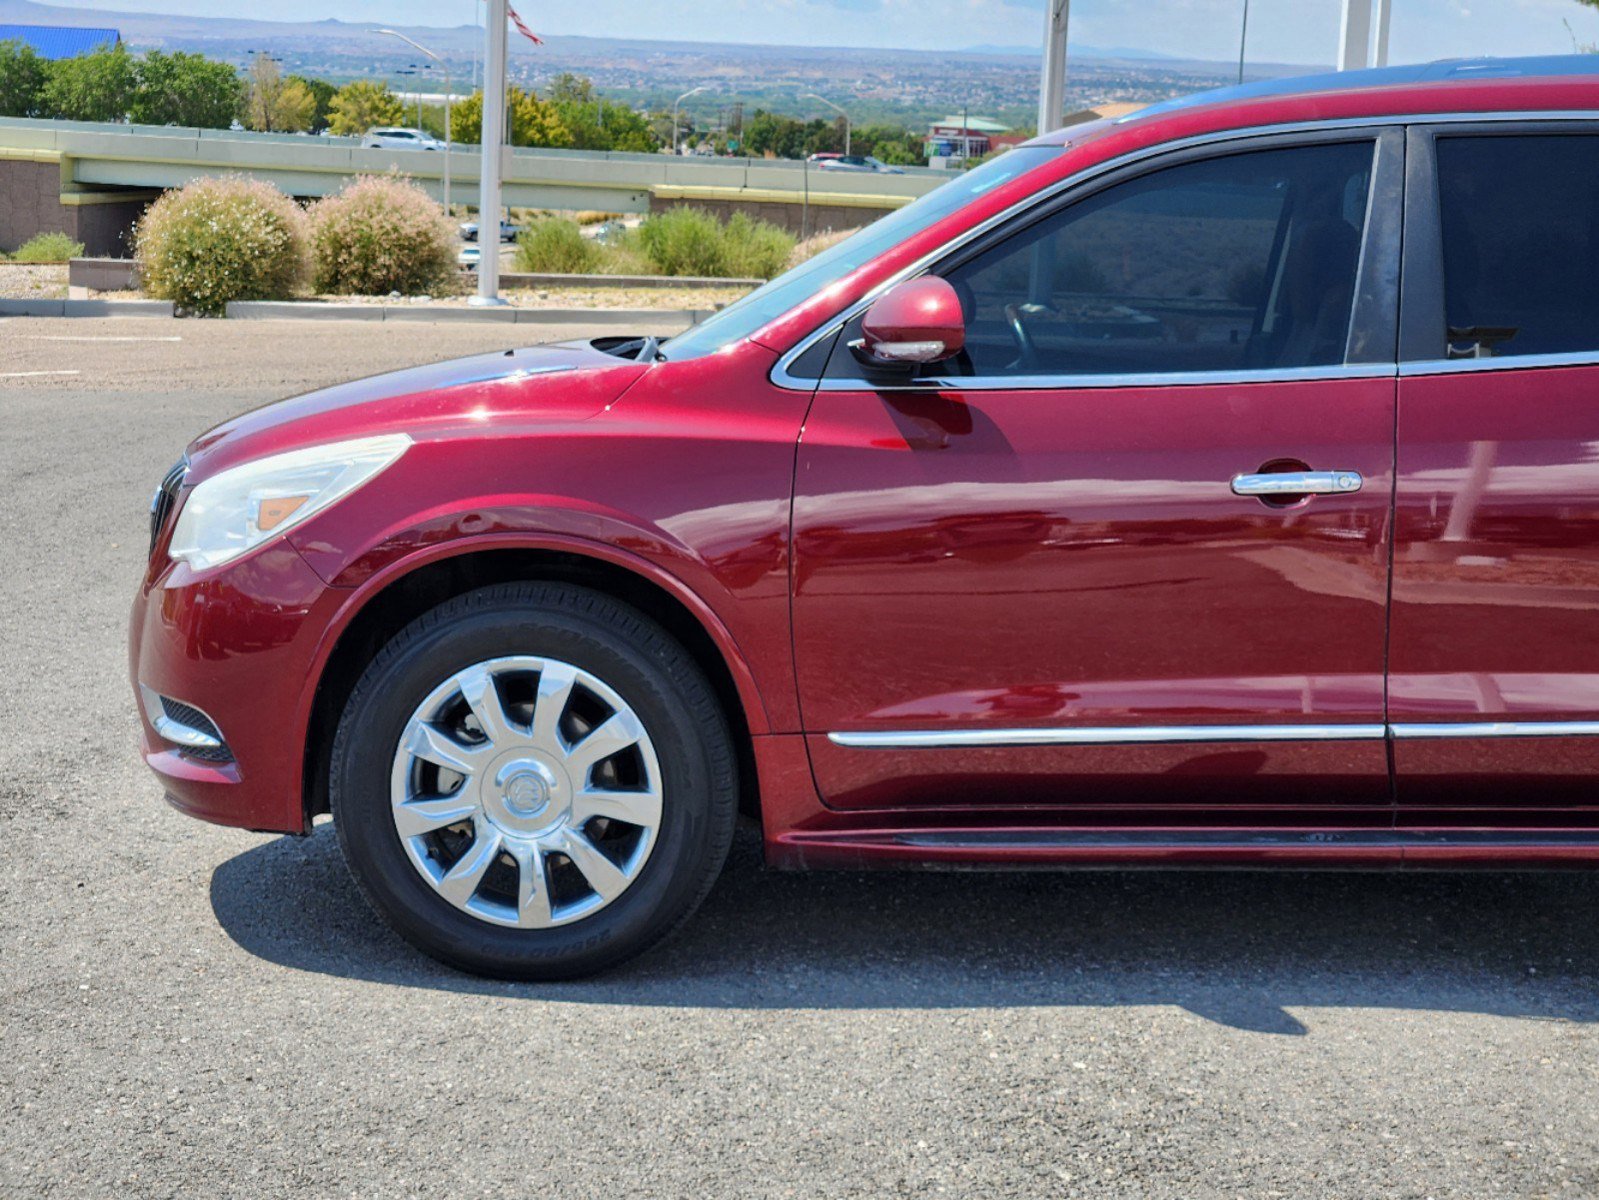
pixel 771 300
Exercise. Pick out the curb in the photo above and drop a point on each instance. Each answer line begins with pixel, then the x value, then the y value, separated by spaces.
pixel 86 308
pixel 628 318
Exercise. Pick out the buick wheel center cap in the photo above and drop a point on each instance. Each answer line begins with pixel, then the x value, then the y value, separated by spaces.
pixel 525 794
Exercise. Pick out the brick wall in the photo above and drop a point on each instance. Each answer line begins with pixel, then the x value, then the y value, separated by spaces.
pixel 30 203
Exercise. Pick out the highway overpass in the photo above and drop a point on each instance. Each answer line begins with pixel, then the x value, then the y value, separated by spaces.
pixel 92 180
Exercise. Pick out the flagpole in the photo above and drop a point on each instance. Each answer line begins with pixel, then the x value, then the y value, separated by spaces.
pixel 493 158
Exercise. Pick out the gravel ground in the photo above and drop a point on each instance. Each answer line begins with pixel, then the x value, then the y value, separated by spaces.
pixel 188 1010
pixel 26 281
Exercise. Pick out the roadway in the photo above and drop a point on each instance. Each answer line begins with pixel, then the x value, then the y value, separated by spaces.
pixel 195 1010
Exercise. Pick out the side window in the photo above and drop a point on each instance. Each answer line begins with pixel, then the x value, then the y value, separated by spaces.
pixel 1245 261
pixel 1520 245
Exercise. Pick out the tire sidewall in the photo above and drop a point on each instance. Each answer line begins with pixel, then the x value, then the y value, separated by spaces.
pixel 630 655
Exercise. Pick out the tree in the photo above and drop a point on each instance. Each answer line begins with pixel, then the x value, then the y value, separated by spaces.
pixel 577 89
pixel 534 122
pixel 596 125
pixel 98 86
pixel 22 76
pixel 275 104
pixel 362 105
pixel 186 89
pixel 322 92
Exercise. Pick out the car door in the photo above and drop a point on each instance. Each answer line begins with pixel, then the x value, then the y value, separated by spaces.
pixel 1495 653
pixel 1082 565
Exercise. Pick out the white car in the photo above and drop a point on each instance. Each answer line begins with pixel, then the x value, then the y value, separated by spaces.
pixel 857 162
pixel 401 139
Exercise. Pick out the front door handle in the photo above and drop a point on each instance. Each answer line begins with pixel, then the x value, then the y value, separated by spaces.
pixel 1298 483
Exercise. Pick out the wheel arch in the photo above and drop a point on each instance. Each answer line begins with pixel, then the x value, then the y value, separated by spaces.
pixel 391 601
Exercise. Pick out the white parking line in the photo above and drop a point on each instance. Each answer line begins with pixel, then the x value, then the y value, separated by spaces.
pixel 53 337
pixel 34 374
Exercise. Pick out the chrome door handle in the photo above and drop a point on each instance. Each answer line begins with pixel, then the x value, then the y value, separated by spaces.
pixel 1298 483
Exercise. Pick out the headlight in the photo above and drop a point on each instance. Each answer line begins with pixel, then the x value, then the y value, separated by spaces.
pixel 246 505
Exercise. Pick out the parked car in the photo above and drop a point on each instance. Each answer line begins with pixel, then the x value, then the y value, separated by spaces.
pixel 469 257
pixel 1279 551
pixel 858 162
pixel 508 231
pixel 400 139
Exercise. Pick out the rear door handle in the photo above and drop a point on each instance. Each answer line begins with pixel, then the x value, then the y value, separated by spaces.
pixel 1298 483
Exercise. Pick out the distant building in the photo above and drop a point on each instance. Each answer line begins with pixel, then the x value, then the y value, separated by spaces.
pixel 955 139
pixel 1102 112
pixel 966 137
pixel 60 41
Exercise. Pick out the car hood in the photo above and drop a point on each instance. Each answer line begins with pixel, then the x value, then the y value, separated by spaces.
pixel 562 383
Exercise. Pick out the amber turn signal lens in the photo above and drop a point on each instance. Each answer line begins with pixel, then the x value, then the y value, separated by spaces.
pixel 277 510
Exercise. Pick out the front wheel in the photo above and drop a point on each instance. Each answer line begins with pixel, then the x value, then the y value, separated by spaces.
pixel 533 781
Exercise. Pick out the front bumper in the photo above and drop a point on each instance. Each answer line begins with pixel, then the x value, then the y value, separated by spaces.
pixel 241 644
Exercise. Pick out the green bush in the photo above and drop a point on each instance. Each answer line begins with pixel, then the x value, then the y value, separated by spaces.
pixel 684 241
pixel 555 244
pixel 221 239
pixel 382 234
pixel 689 241
pixel 48 248
pixel 755 249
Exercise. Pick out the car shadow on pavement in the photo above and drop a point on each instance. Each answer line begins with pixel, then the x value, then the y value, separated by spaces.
pixel 1239 948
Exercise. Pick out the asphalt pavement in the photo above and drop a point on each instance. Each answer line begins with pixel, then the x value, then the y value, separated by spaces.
pixel 189 1010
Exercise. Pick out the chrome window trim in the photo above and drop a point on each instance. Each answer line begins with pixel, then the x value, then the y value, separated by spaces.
pixel 1143 735
pixel 1126 735
pixel 780 377
pixel 1020 383
pixel 1454 366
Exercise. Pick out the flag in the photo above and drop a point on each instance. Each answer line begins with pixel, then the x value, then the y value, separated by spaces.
pixel 522 28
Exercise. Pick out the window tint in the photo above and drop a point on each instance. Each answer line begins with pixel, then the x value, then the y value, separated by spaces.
pixel 1232 263
pixel 1521 259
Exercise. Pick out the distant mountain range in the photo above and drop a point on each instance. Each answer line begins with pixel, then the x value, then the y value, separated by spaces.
pixel 908 88
pixel 174 31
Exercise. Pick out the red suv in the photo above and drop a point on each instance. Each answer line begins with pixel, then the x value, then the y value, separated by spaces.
pixel 1218 485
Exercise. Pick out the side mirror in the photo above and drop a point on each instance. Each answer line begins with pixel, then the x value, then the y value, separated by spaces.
pixel 914 322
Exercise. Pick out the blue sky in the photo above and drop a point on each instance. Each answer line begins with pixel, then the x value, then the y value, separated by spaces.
pixel 1280 30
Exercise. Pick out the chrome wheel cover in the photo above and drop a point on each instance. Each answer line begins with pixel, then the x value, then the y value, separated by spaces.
pixel 526 792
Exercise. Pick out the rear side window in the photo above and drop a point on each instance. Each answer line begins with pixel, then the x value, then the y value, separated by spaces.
pixel 1246 261
pixel 1520 253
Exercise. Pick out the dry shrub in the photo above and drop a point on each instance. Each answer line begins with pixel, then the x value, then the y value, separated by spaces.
pixel 817 242
pixel 221 239
pixel 690 241
pixel 382 234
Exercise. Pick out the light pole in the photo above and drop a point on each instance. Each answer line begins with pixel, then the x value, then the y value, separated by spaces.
pixel 447 89
pixel 1243 40
pixel 1052 87
pixel 835 108
pixel 493 141
pixel 675 103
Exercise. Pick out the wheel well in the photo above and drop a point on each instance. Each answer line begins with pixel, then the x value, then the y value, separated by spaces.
pixel 427 587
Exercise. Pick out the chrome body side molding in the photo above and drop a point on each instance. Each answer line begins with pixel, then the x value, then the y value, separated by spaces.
pixel 1115 735
pixel 1489 729
pixel 1142 735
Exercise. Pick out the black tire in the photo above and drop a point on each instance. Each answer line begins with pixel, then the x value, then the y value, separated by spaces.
pixel 635 657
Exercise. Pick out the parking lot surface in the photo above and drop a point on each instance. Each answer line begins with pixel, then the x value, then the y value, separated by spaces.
pixel 192 1010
